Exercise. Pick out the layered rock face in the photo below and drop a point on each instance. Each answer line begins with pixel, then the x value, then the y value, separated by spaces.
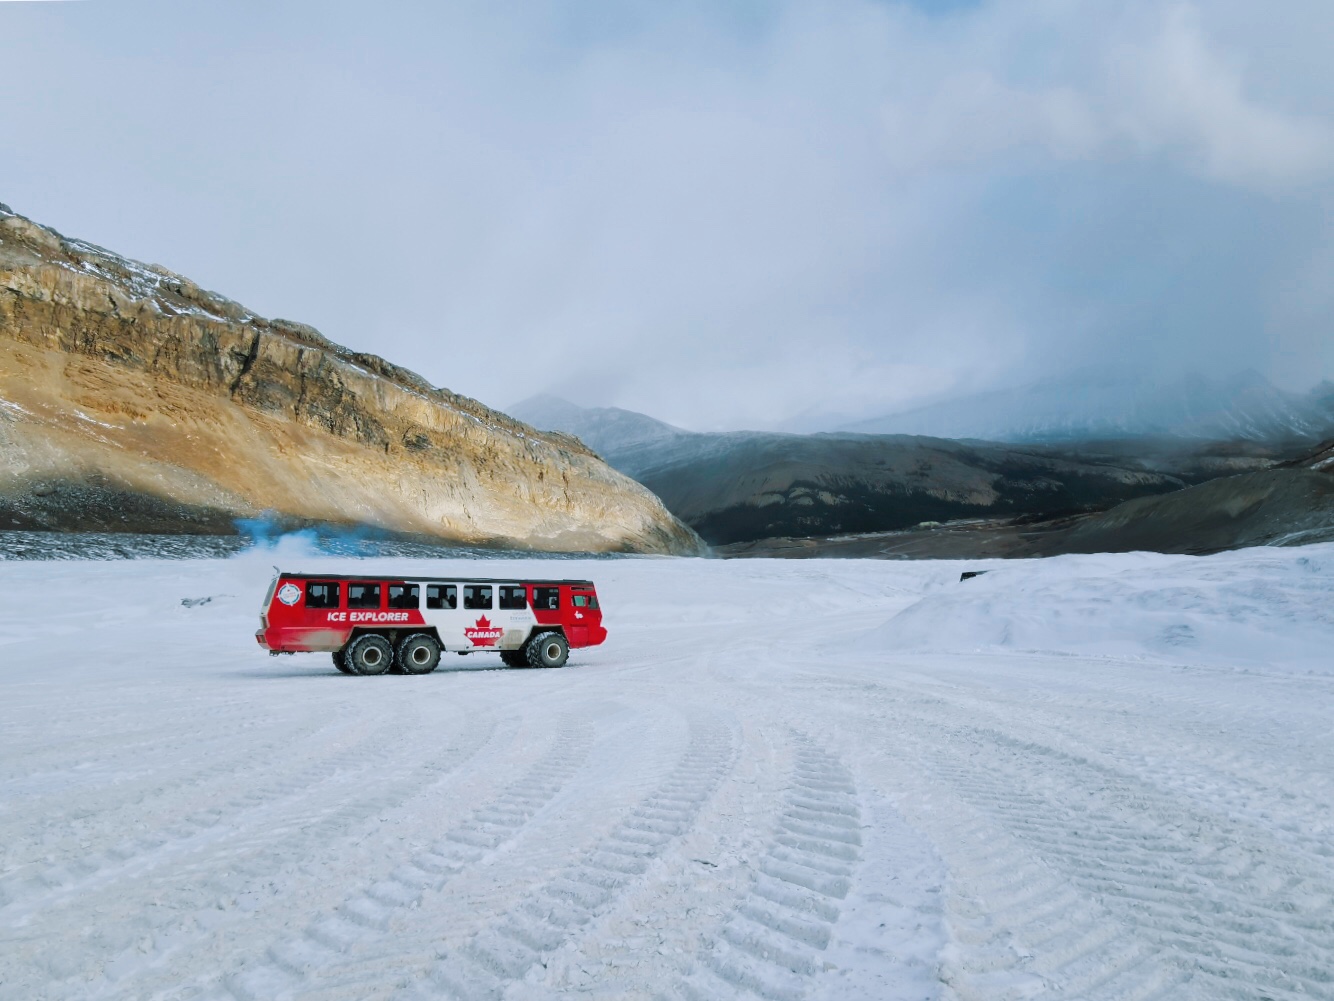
pixel 131 399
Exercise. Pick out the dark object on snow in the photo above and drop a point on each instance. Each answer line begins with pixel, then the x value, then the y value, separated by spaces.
pixel 972 573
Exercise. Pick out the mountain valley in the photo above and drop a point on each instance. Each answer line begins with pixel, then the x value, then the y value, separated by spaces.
pixel 903 496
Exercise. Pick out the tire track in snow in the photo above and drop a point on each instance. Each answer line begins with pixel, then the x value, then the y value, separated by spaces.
pixel 1200 748
pixel 498 956
pixel 72 721
pixel 99 736
pixel 190 793
pixel 1249 786
pixel 365 917
pixel 1020 928
pixel 229 856
pixel 25 887
pixel 502 880
pixel 771 945
pixel 1144 865
pixel 1222 904
pixel 111 771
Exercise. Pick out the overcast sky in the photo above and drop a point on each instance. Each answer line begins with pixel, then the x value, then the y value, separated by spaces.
pixel 721 214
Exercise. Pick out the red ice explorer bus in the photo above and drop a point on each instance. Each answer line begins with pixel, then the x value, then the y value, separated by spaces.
pixel 375 624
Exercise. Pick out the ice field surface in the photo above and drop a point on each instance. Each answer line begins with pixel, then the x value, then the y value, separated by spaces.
pixel 1089 777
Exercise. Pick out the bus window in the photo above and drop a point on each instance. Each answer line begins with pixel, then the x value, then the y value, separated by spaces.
pixel 320 594
pixel 363 596
pixel 476 595
pixel 442 596
pixel 404 596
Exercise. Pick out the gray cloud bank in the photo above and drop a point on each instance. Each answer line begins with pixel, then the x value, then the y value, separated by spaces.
pixel 722 215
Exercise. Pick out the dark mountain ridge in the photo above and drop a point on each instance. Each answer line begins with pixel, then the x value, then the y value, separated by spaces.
pixel 746 485
pixel 905 496
pixel 1289 504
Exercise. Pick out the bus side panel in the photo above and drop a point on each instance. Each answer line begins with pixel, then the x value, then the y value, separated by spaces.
pixel 295 628
pixel 472 629
pixel 583 617
pixel 517 624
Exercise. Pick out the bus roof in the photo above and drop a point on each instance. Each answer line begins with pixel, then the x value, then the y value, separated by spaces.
pixel 458 579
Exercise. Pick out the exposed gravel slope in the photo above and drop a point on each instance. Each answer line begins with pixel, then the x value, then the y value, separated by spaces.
pixel 776 780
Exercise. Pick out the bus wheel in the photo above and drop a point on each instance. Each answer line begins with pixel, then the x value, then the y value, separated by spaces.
pixel 369 654
pixel 418 654
pixel 548 650
pixel 340 661
pixel 514 658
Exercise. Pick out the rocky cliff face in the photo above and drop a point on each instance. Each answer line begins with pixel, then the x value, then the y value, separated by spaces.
pixel 132 399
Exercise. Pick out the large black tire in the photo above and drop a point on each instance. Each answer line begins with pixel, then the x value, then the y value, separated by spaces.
pixel 340 661
pixel 547 650
pixel 418 654
pixel 369 653
pixel 514 658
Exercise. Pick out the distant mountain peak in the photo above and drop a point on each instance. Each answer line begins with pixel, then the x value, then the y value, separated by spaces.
pixel 602 429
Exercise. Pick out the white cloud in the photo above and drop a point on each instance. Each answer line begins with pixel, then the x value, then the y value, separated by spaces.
pixel 1175 94
pixel 1154 88
pixel 973 116
pixel 720 215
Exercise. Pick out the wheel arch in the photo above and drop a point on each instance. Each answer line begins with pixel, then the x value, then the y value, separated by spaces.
pixel 539 629
pixel 394 635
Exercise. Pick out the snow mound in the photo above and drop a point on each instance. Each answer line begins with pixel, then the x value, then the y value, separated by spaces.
pixel 1269 608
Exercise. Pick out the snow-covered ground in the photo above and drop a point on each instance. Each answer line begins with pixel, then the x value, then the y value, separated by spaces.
pixel 1086 777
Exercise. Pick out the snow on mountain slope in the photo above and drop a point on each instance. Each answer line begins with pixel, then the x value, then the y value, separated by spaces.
pixel 1092 405
pixel 1079 778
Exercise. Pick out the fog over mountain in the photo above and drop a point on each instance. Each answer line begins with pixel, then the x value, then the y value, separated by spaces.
pixel 725 214
pixel 1100 405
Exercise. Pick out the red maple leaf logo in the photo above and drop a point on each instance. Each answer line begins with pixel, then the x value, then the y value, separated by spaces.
pixel 483 633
